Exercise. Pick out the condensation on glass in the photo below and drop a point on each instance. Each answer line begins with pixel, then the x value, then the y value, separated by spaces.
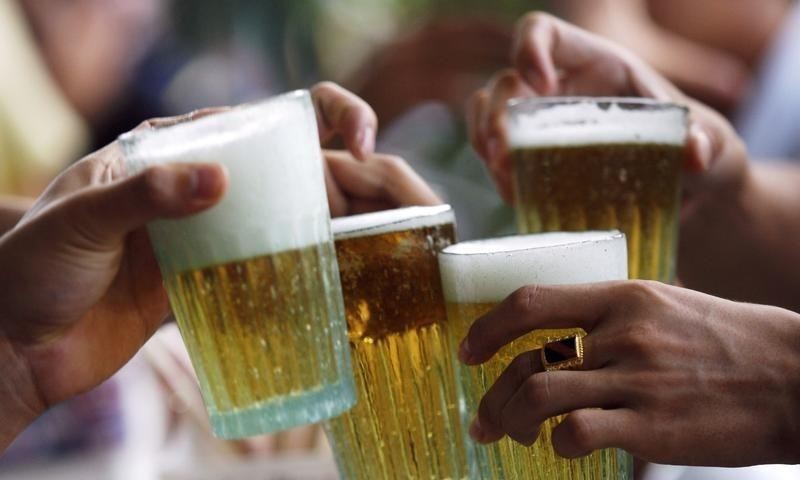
pixel 253 282
pixel 478 275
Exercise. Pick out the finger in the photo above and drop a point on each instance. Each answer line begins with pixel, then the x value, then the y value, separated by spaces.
pixel 476 106
pixel 340 112
pixel 385 179
pixel 549 394
pixel 584 431
pixel 704 141
pixel 537 307
pixel 503 87
pixel 488 424
pixel 162 122
pixel 557 58
pixel 533 50
pixel 106 214
pixel 337 201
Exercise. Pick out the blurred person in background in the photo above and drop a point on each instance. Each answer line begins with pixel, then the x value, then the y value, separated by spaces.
pixel 67 64
pixel 742 58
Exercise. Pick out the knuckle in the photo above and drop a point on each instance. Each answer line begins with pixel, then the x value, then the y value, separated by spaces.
pixel 521 367
pixel 636 339
pixel 144 125
pixel 534 19
pixel 352 114
pixel 579 431
pixel 536 390
pixel 393 167
pixel 393 162
pixel 154 186
pixel 640 293
pixel 324 88
pixel 525 300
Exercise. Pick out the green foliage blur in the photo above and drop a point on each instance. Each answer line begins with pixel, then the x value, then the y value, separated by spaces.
pixel 286 30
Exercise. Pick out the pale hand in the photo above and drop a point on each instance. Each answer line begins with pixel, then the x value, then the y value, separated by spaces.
pixel 554 58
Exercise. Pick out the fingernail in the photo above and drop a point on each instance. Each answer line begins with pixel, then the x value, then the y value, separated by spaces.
pixel 367 141
pixel 206 181
pixel 475 430
pixel 703 146
pixel 464 353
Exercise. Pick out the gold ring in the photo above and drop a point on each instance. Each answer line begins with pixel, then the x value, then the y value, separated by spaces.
pixel 563 352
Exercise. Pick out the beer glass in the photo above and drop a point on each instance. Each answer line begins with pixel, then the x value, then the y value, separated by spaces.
pixel 478 275
pixel 253 282
pixel 601 163
pixel 406 424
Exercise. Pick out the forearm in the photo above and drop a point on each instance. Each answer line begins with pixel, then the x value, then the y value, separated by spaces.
pixel 12 209
pixel 747 246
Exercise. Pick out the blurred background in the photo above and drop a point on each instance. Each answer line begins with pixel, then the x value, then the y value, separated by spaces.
pixel 77 73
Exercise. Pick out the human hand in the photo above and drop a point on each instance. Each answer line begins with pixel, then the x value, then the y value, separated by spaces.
pixel 360 180
pixel 379 182
pixel 82 290
pixel 701 59
pixel 554 58
pixel 443 59
pixel 669 374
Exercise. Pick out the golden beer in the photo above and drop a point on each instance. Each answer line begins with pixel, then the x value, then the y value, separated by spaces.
pixel 595 164
pixel 253 347
pixel 253 281
pixel 478 275
pixel 406 424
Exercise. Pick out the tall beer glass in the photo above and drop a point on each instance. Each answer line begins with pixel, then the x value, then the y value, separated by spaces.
pixel 478 275
pixel 406 424
pixel 601 163
pixel 253 281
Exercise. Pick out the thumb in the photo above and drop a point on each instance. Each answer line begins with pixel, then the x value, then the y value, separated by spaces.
pixel 700 150
pixel 706 137
pixel 108 213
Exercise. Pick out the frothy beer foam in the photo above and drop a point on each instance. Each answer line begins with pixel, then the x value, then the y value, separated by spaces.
pixel 487 271
pixel 389 221
pixel 276 195
pixel 546 122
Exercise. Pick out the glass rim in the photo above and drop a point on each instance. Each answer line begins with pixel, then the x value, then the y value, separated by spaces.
pixel 626 103
pixel 392 220
pixel 133 136
pixel 593 237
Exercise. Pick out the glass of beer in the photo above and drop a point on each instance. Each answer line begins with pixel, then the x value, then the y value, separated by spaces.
pixel 253 282
pixel 406 424
pixel 601 163
pixel 478 275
